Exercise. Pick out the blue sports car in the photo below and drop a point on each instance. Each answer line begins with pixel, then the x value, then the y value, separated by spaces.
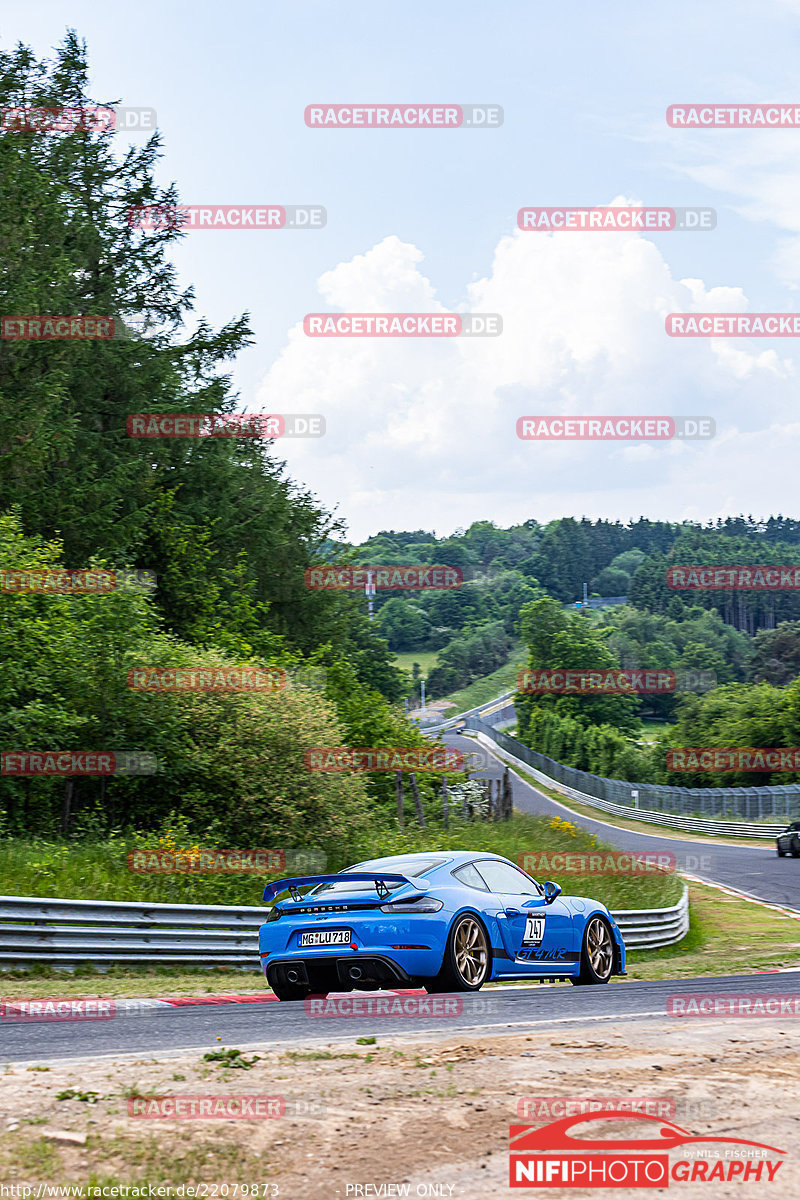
pixel 448 921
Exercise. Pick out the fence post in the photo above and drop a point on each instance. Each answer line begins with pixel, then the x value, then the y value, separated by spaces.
pixel 66 807
pixel 508 799
pixel 398 780
pixel 412 779
pixel 445 809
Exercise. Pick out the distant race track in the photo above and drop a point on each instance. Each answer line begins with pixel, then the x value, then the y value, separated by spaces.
pixel 754 870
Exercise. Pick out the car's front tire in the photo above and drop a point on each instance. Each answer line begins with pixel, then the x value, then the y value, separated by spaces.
pixel 597 953
pixel 467 958
pixel 780 852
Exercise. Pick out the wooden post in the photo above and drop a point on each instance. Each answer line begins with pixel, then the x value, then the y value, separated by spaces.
pixel 66 807
pixel 445 803
pixel 412 779
pixel 398 779
pixel 508 797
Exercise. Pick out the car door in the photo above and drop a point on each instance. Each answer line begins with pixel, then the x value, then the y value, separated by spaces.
pixel 535 934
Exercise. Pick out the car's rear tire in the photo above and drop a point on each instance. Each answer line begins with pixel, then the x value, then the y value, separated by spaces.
pixel 794 849
pixel 467 958
pixel 597 953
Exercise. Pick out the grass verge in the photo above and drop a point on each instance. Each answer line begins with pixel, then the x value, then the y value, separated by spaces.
pixel 728 936
pixel 488 686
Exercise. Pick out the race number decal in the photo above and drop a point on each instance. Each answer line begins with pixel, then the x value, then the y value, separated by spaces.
pixel 534 931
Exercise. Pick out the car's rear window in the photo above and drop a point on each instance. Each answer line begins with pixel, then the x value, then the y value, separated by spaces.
pixel 411 869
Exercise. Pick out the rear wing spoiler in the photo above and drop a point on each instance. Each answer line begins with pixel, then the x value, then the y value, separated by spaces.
pixel 378 878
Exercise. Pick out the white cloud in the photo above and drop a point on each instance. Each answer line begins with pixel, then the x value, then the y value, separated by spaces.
pixel 421 433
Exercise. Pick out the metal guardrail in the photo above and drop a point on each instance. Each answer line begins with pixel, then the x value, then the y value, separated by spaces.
pixel 59 932
pixel 781 800
pixel 691 824
pixel 651 928
pixel 64 933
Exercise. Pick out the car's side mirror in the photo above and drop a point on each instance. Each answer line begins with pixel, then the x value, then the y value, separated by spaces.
pixel 551 891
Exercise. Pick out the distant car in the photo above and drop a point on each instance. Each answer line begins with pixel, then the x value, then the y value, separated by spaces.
pixel 788 842
pixel 448 922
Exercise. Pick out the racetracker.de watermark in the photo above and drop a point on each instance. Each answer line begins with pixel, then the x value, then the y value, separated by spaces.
pixel 539 862
pixel 43 328
pixel 96 118
pixel 357 1005
pixel 734 116
pixel 610 429
pixel 378 325
pixel 387 758
pixel 77 762
pixel 739 1004
pixel 193 860
pixel 75 582
pixel 412 578
pixel 613 680
pixel 755 578
pixel 743 325
pixel 231 425
pixel 210 1107
pixel 188 859
pixel 711 758
pixel 403 116
pixel 552 1108
pixel 204 679
pixel 227 216
pixel 604 681
pixel 73 1008
pixel 616 219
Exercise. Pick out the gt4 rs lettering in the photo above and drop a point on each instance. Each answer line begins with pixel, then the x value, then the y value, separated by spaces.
pixel 556 954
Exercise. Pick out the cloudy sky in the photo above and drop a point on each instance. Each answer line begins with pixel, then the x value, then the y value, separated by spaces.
pixel 421 433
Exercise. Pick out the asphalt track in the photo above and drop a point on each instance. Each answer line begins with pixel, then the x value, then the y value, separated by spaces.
pixel 754 870
pixel 518 1010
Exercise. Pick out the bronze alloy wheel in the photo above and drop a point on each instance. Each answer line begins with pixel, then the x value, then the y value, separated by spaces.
pixel 599 947
pixel 471 951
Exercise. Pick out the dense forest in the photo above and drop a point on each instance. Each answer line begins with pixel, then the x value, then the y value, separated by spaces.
pixel 226 534
pixel 505 569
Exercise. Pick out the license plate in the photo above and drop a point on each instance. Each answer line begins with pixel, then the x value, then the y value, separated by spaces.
pixel 327 937
pixel 534 931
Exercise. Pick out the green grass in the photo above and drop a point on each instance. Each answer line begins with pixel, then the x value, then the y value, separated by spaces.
pixel 98 871
pixel 489 686
pixel 425 658
pixel 728 936
pixel 525 834
pixel 651 730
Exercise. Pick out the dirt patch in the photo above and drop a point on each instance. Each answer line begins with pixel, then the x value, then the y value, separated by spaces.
pixel 414 1114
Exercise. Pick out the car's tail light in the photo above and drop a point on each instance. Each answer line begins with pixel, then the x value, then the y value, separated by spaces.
pixel 274 914
pixel 422 904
